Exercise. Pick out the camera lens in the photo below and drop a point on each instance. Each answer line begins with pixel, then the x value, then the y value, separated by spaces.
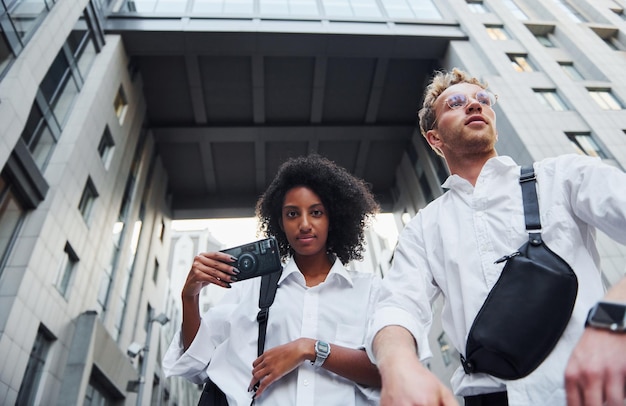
pixel 247 263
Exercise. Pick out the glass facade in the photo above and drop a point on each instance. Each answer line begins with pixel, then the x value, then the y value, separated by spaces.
pixel 57 93
pixel 18 21
pixel 11 216
pixel 357 9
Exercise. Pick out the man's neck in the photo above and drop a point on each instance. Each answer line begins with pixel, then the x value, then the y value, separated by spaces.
pixel 469 167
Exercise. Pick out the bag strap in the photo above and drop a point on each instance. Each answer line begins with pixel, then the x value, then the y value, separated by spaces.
pixel 269 284
pixel 528 181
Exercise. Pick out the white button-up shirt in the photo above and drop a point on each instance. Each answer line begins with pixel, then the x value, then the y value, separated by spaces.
pixel 335 311
pixel 450 246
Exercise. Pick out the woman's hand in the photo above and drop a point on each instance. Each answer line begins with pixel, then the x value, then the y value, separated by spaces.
pixel 207 268
pixel 277 362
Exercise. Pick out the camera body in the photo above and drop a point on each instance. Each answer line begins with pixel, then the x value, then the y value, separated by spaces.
pixel 256 258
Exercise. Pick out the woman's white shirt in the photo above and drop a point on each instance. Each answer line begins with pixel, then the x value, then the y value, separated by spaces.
pixel 335 311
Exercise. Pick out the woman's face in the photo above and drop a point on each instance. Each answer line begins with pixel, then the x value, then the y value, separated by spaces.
pixel 305 221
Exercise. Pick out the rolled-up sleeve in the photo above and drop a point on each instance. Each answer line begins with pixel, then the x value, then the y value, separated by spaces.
pixel 213 331
pixel 407 293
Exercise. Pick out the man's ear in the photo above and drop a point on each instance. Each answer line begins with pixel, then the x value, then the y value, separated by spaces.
pixel 432 136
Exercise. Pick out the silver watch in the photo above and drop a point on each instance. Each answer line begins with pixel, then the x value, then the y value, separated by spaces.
pixel 322 351
pixel 609 316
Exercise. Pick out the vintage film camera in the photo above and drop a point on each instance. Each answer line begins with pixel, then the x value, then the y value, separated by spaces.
pixel 256 258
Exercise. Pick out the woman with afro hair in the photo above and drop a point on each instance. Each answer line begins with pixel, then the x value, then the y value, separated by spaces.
pixel 314 355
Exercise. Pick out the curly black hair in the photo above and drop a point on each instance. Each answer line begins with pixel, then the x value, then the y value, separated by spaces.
pixel 348 201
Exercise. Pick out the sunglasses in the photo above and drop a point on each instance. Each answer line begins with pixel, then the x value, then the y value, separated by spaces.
pixel 460 100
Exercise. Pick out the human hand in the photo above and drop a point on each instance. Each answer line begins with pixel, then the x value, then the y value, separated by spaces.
pixel 277 362
pixel 409 383
pixel 596 371
pixel 207 268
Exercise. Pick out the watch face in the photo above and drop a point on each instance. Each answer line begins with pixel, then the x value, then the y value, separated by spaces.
pixel 609 313
pixel 322 347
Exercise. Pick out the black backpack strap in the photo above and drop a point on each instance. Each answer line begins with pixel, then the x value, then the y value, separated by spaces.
pixel 529 193
pixel 269 284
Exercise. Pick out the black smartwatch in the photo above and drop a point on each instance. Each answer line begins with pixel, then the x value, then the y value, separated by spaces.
pixel 322 351
pixel 608 316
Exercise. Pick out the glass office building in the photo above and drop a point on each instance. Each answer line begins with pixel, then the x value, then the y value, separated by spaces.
pixel 117 116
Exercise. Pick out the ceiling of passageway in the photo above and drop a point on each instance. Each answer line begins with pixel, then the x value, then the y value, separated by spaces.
pixel 227 108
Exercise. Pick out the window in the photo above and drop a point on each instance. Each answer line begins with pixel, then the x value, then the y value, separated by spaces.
pixel 570 11
pixel 101 391
pixel 155 272
pixel 156 389
pixel 106 147
pixel 39 135
pixel 66 271
pixel 545 40
pixel 120 104
pixel 477 7
pixel 605 99
pixel 119 229
pixel 401 9
pixel 444 347
pixel 149 312
pixel 11 216
pixel 18 22
pixel 161 230
pixel 551 99
pixel 584 144
pixel 571 71
pixel 82 47
pixel 515 10
pixel 497 33
pixel 87 199
pixel 521 63
pixel 308 7
pixel 34 367
pixel 6 55
pixel 619 12
pixel 59 87
pixel 57 90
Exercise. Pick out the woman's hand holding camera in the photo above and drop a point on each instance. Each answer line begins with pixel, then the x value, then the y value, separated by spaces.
pixel 207 268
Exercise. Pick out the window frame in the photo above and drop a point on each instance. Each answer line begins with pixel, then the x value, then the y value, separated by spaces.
pixel 87 200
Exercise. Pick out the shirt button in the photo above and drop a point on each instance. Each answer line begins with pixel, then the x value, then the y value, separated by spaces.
pixel 306 382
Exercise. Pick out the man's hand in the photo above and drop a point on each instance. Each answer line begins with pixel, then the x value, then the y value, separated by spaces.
pixel 405 380
pixel 596 371
pixel 410 383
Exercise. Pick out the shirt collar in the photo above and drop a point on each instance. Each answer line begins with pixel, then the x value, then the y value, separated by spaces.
pixel 495 164
pixel 337 271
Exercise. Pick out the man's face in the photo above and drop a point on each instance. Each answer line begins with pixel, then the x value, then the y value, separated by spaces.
pixel 463 129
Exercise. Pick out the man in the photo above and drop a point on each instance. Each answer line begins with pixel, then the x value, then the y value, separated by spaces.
pixel 449 249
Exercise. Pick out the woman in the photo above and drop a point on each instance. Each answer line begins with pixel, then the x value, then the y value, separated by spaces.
pixel 317 211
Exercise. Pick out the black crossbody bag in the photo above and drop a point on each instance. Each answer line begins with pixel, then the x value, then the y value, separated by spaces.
pixel 212 395
pixel 528 308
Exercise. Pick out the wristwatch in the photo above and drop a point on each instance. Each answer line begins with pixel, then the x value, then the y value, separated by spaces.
pixel 609 316
pixel 322 351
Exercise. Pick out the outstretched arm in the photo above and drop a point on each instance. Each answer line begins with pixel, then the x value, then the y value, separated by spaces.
pixel 596 371
pixel 275 363
pixel 405 381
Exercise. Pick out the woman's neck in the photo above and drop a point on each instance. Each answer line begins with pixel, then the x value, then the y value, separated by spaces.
pixel 315 268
